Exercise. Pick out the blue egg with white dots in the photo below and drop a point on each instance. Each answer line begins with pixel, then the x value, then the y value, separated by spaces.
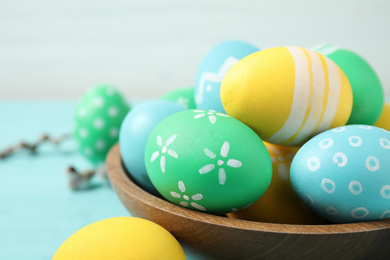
pixel 213 67
pixel 134 133
pixel 343 174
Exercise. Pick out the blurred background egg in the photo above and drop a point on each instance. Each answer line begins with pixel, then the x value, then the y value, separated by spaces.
pixel 343 174
pixel 287 94
pixel 97 120
pixel 384 119
pixel 207 161
pixel 367 90
pixel 134 132
pixel 279 204
pixel 213 67
pixel 121 238
pixel 182 96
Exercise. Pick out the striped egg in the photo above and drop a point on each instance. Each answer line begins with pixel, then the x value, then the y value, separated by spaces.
pixel 366 87
pixel 287 94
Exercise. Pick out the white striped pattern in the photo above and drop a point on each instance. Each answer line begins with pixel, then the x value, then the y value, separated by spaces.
pixel 317 99
pixel 301 98
pixel 326 49
pixel 333 96
pixel 306 115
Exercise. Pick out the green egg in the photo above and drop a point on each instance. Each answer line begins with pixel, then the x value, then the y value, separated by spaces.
pixel 182 96
pixel 207 161
pixel 368 96
pixel 97 119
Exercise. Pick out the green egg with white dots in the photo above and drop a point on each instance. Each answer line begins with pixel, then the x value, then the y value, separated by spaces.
pixel 182 96
pixel 207 161
pixel 97 120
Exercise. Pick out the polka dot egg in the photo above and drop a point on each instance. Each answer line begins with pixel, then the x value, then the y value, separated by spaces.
pixel 97 120
pixel 207 161
pixel 287 94
pixel 182 96
pixel 343 174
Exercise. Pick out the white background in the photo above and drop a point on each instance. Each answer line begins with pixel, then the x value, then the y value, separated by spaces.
pixel 58 49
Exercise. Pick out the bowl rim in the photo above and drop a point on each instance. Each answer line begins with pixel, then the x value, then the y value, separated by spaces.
pixel 119 177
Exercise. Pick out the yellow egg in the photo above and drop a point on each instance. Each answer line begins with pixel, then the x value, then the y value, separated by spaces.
pixel 384 119
pixel 287 94
pixel 120 238
pixel 279 204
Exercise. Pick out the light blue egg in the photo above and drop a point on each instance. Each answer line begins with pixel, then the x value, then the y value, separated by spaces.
pixel 134 133
pixel 213 68
pixel 343 174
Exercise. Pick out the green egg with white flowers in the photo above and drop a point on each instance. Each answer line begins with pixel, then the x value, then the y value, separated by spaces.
pixel 97 119
pixel 207 161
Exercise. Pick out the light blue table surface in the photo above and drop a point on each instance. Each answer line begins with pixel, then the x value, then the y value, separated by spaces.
pixel 38 212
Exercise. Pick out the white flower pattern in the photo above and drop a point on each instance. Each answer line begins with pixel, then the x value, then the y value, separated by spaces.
pixel 186 198
pixel 183 101
pixel 210 113
pixel 221 171
pixel 164 150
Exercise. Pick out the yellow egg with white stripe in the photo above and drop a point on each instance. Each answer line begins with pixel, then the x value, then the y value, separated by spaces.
pixel 287 94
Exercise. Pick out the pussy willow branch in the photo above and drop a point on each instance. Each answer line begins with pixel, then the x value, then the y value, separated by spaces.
pixel 81 180
pixel 76 180
pixel 32 147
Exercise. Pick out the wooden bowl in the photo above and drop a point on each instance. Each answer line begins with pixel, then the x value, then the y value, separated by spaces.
pixel 218 237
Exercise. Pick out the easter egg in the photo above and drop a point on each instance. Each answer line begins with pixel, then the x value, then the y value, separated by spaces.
pixel 134 132
pixel 384 119
pixel 182 96
pixel 120 238
pixel 343 174
pixel 287 94
pixel 207 161
pixel 213 67
pixel 97 119
pixel 366 87
pixel 279 204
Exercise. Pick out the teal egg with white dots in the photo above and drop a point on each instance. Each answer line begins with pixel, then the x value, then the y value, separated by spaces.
pixel 343 174
pixel 207 161
pixel 97 119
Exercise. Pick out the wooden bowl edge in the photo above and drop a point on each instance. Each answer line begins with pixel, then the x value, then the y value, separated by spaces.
pixel 118 177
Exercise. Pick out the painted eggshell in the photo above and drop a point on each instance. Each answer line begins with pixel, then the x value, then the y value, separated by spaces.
pixel 182 96
pixel 279 204
pixel 97 119
pixel 287 94
pixel 367 90
pixel 213 68
pixel 343 174
pixel 384 119
pixel 135 131
pixel 121 238
pixel 207 161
